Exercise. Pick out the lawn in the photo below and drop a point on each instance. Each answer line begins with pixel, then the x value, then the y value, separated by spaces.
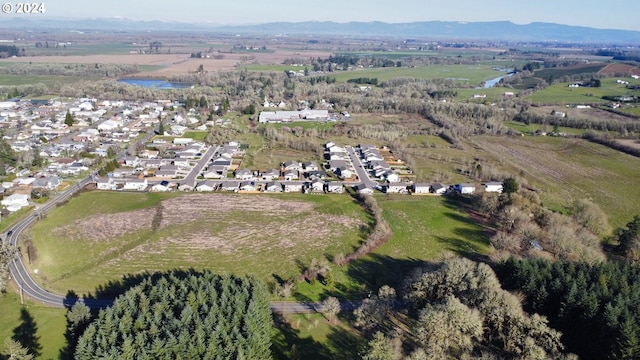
pixel 49 323
pixel 196 135
pixel 103 235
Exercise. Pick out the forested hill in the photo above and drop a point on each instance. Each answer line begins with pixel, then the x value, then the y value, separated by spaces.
pixel 496 30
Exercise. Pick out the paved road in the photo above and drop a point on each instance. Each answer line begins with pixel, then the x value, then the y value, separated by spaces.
pixel 199 166
pixel 363 175
pixel 28 287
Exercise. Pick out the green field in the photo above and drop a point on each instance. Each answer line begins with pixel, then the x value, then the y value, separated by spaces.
pixel 532 128
pixel 555 73
pixel 562 94
pixel 49 323
pixel 196 135
pixel 424 229
pixel 463 74
pixel 563 170
pixel 15 80
pixel 241 240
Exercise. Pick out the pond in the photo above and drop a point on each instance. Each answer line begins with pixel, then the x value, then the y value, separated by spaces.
pixel 155 83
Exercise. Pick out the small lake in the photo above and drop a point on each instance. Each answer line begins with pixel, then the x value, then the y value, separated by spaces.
pixel 157 84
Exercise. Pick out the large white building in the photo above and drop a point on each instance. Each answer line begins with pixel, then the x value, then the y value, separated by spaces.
pixel 289 116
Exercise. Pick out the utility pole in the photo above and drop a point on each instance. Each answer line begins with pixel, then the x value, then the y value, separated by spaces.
pixel 21 295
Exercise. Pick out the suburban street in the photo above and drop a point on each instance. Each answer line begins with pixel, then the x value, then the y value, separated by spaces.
pixel 363 176
pixel 200 166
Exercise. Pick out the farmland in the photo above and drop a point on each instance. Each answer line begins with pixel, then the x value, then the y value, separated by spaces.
pixel 462 74
pixel 564 170
pixel 99 237
pixel 562 94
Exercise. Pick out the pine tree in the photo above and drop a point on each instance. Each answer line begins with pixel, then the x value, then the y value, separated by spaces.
pixel 68 119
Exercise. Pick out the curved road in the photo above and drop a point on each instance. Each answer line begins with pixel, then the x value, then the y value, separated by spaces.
pixel 32 290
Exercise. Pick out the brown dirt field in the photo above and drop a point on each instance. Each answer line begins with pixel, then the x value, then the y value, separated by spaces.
pixel 175 63
pixel 617 68
pixel 280 223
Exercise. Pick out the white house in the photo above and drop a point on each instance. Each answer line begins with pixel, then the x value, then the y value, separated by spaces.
pixel 493 187
pixel 465 188
pixel 15 202
pixel 396 188
pixel 421 188
pixel 244 174
pixel 182 141
pixel 438 189
pixel 135 184
pixel 206 186
pixel 392 177
pixel 363 189
pixel 334 187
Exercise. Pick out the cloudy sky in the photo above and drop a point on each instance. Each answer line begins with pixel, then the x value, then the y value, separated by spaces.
pixel 624 14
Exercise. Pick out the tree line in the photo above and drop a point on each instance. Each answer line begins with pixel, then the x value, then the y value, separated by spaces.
pixel 183 315
pixel 594 305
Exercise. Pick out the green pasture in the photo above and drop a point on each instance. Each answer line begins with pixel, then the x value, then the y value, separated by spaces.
pixel 563 94
pixel 463 74
pixel 64 263
pixel 15 80
pixel 425 228
pixel 312 337
pixel 46 325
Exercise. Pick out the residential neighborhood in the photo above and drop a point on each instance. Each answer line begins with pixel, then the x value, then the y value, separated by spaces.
pixel 173 162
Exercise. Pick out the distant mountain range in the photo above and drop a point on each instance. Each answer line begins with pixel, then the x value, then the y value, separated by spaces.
pixel 436 30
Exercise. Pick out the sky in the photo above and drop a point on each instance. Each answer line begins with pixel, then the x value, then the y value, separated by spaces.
pixel 625 14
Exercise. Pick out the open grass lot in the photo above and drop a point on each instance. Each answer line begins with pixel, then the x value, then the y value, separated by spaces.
pixel 566 169
pixel 196 135
pixel 562 94
pixel 15 80
pixel 424 229
pixel 464 74
pixel 50 323
pixel 99 236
